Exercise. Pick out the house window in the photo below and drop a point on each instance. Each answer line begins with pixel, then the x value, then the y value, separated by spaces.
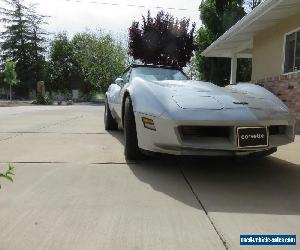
pixel 292 52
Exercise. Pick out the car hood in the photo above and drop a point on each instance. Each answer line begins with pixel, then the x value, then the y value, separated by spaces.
pixel 204 95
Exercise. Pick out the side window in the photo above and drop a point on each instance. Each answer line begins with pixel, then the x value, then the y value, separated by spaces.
pixel 292 52
pixel 126 76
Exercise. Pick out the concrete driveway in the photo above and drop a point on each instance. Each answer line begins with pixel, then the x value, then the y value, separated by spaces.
pixel 73 189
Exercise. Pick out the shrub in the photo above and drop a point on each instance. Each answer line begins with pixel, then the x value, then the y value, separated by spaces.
pixel 43 100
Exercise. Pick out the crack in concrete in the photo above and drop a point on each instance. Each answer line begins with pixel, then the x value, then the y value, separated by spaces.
pixel 17 134
pixel 60 122
pixel 10 137
pixel 221 237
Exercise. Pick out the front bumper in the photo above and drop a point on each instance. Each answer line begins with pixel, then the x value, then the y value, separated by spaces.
pixel 168 137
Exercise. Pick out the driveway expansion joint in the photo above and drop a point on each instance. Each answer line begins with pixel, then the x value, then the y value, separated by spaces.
pixel 221 237
pixel 66 162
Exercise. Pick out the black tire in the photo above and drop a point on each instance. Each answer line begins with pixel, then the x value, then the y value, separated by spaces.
pixel 109 121
pixel 132 151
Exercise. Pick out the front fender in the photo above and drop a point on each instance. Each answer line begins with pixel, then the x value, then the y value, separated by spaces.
pixel 258 91
pixel 112 93
pixel 144 99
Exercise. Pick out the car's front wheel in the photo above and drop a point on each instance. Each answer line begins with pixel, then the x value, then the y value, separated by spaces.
pixel 109 121
pixel 132 151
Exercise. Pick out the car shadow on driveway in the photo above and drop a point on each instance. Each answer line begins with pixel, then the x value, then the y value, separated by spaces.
pixel 264 186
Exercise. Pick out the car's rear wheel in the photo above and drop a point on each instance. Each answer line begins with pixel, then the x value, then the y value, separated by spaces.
pixel 132 151
pixel 109 121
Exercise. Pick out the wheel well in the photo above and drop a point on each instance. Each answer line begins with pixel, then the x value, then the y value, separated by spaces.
pixel 126 94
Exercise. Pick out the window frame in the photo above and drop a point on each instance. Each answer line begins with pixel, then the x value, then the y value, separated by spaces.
pixel 127 72
pixel 175 69
pixel 284 51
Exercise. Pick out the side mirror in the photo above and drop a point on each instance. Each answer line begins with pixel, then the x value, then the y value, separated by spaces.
pixel 119 81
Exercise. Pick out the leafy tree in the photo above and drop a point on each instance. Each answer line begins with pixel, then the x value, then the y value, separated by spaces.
pixel 8 174
pixel 14 44
pixel 253 3
pixel 218 16
pixel 162 40
pixel 89 62
pixel 191 69
pixel 62 69
pixel 10 76
pixel 37 40
pixel 21 41
pixel 101 59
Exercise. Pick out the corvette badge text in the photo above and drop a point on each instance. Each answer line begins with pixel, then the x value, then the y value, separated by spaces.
pixel 268 240
pixel 257 136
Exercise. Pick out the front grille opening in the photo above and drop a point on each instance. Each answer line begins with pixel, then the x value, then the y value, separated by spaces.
pixel 277 130
pixel 205 131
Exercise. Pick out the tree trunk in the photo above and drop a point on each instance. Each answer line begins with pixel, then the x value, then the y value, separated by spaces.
pixel 10 93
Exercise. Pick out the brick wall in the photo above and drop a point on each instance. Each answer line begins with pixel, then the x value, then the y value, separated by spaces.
pixel 287 88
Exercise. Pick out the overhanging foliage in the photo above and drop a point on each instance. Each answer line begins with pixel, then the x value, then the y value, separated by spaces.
pixel 162 40
pixel 218 16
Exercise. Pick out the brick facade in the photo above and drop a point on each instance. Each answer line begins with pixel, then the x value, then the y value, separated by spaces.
pixel 286 87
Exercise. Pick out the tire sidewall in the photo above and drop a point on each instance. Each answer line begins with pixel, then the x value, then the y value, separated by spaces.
pixel 131 141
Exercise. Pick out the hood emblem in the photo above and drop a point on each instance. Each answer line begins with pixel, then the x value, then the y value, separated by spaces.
pixel 241 103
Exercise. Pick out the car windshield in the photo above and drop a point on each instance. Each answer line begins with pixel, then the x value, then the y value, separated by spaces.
pixel 158 74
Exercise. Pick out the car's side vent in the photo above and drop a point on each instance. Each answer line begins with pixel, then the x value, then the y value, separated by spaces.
pixel 277 130
pixel 204 131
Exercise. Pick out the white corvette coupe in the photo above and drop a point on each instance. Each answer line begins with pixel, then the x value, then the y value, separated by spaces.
pixel 162 111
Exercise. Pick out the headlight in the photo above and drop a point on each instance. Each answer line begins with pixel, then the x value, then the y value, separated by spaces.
pixel 148 123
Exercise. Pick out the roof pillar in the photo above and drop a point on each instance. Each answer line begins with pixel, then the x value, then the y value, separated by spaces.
pixel 233 69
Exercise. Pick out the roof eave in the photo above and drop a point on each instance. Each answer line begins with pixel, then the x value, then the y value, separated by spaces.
pixel 260 10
